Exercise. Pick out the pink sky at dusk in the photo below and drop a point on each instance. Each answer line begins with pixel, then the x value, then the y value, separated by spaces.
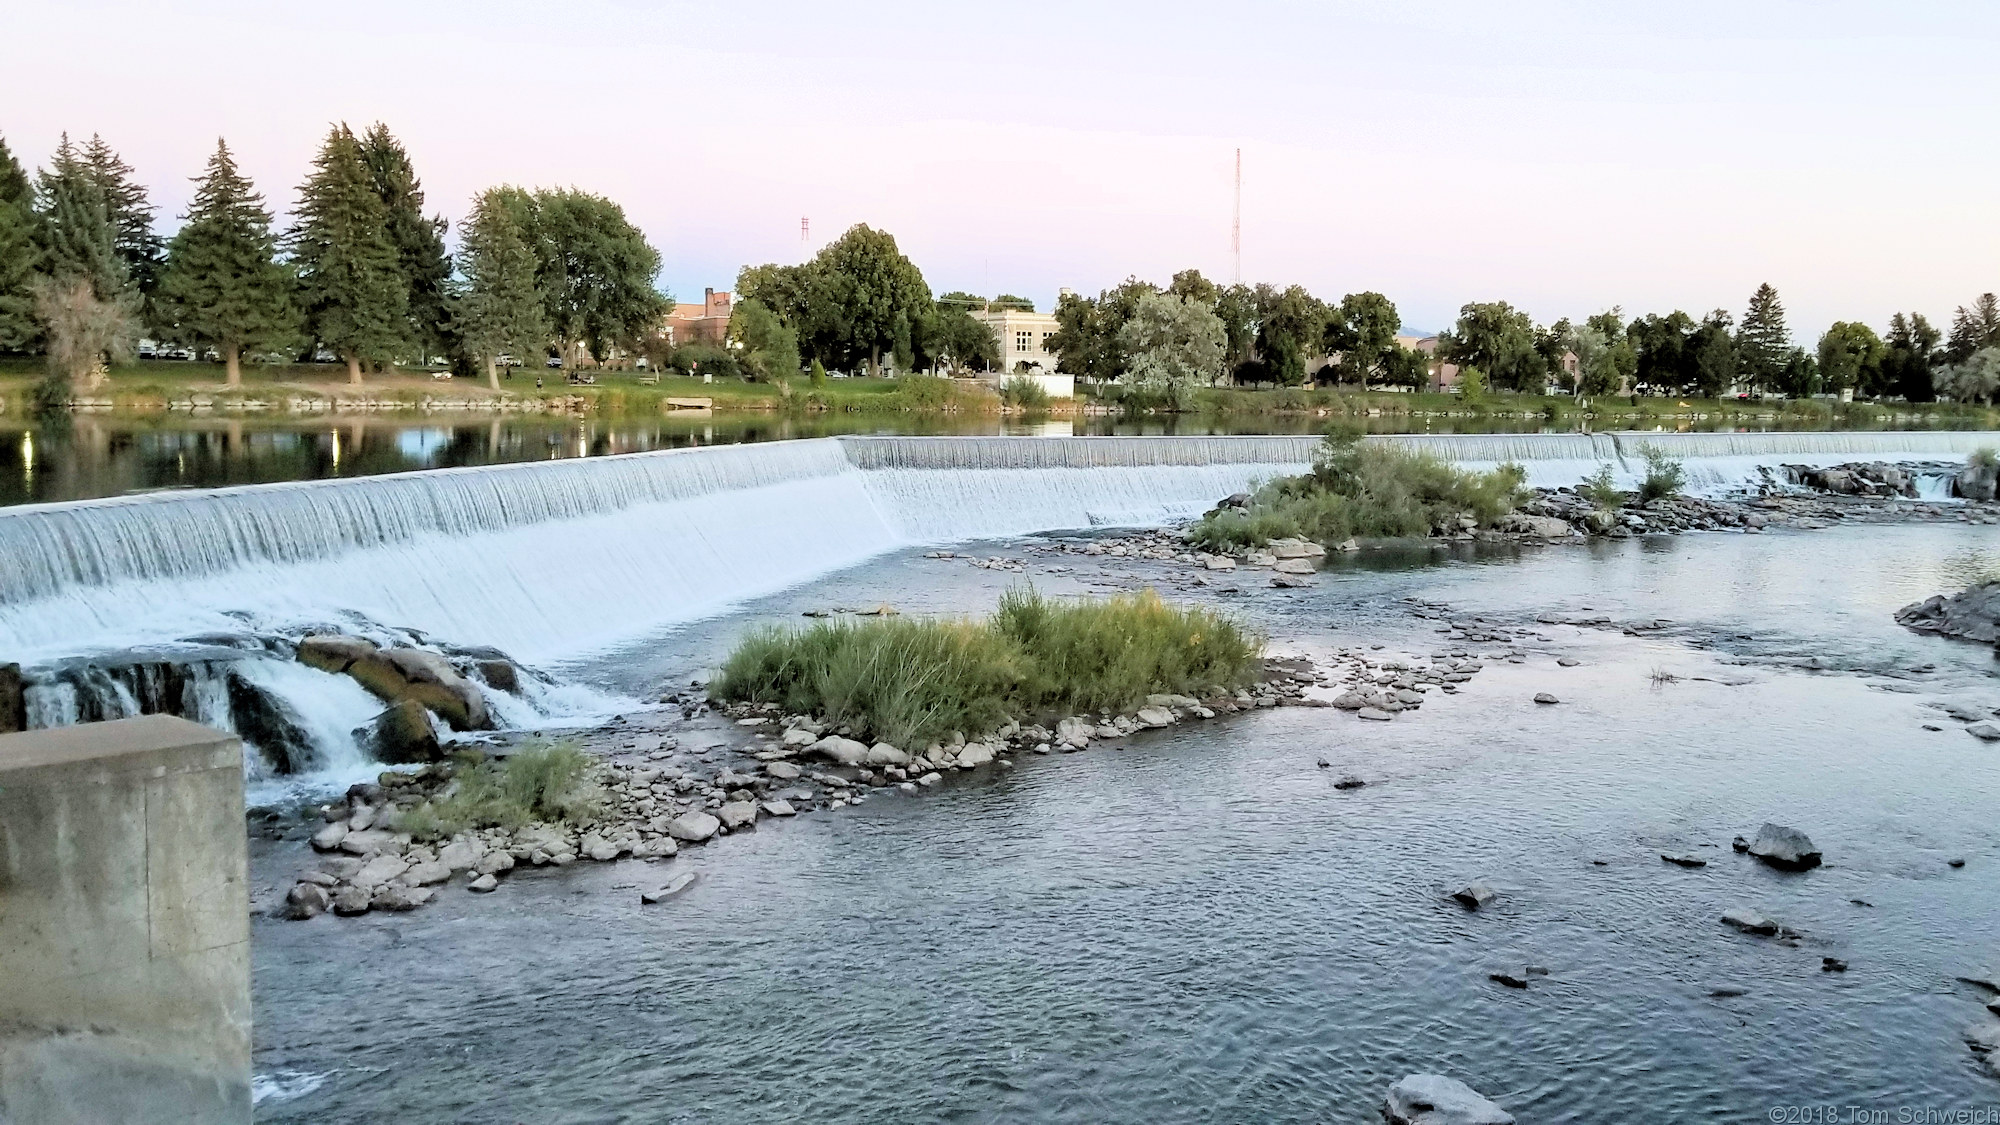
pixel 1563 156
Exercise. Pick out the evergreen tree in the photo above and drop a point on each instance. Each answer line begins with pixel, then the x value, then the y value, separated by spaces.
pixel 222 284
pixel 1763 346
pixel 138 249
pixel 83 297
pixel 19 256
pixel 77 235
pixel 502 310
pixel 419 241
pixel 1909 354
pixel 351 282
pixel 1974 329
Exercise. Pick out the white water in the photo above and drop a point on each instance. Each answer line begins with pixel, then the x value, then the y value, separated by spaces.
pixel 554 561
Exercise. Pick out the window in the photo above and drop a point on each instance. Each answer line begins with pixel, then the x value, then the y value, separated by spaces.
pixel 1045 340
pixel 1022 340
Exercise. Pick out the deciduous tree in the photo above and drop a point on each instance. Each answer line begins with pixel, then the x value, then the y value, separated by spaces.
pixel 1172 346
pixel 502 311
pixel 1850 357
pixel 222 285
pixel 1362 331
pixel 768 348
pixel 1714 356
pixel 1291 329
pixel 597 273
pixel 1500 341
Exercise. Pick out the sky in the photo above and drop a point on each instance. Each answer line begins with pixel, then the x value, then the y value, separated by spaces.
pixel 1565 156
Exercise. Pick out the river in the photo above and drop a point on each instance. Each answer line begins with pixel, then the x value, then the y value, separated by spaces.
pixel 1199 927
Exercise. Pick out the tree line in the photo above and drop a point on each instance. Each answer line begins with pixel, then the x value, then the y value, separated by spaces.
pixel 362 275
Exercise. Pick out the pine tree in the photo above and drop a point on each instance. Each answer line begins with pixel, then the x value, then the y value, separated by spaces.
pixel 502 310
pixel 77 236
pixel 425 264
pixel 1763 346
pixel 19 255
pixel 84 298
pixel 351 282
pixel 1974 329
pixel 138 249
pixel 222 284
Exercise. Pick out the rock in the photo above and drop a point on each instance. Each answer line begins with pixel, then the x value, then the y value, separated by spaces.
pixel 598 848
pixel 331 652
pixel 500 675
pixel 1432 1099
pixel 883 754
pixel 380 870
pixel 1374 714
pixel 1786 848
pixel 394 897
pixel 1234 500
pixel 1545 699
pixel 1508 979
pixel 404 674
pixel 1973 614
pixel 1739 844
pixel 674 886
pixel 1977 481
pixel 1348 544
pixel 402 735
pixel 1728 991
pixel 425 874
pixel 1349 782
pixel 1474 896
pixel 329 838
pixel 798 738
pixel 782 771
pixel 1832 965
pixel 737 814
pixel 779 808
pixel 1220 562
pixel 1545 527
pixel 1684 860
pixel 481 884
pixel 977 754
pixel 1296 549
pixel 1567 662
pixel 1986 730
pixel 1750 922
pixel 352 900
pixel 931 778
pixel 694 827
pixel 843 751
pixel 1290 581
pixel 305 900
pixel 1295 566
pixel 459 855
pixel 1350 701
pixel 493 863
pixel 1156 716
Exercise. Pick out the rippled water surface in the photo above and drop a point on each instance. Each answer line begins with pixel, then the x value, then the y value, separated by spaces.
pixel 1199 927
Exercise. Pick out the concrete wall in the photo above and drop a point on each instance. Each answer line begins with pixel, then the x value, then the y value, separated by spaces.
pixel 124 925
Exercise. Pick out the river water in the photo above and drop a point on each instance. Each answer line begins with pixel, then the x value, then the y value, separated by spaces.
pixel 1199 927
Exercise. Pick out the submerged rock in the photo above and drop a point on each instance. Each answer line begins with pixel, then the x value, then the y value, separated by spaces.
pixel 1432 1099
pixel 1474 896
pixel 1786 848
pixel 1684 860
pixel 305 900
pixel 1750 922
pixel 1986 730
pixel 674 886
pixel 1973 614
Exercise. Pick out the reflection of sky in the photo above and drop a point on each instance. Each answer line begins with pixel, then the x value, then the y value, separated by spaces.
pixel 422 445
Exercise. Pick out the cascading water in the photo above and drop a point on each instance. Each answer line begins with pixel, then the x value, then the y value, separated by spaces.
pixel 553 561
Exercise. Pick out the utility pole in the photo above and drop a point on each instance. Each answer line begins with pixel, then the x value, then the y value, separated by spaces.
pixel 1236 226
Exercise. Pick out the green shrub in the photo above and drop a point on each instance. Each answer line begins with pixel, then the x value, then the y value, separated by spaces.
pixel 1372 490
pixel 540 781
pixel 1025 393
pixel 1599 490
pixel 818 375
pixel 911 682
pixel 1664 476
pixel 1983 458
pixel 925 392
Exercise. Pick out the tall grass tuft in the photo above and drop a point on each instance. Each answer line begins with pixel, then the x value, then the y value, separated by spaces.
pixel 1664 476
pixel 911 682
pixel 540 781
pixel 1024 392
pixel 1364 490
pixel 1601 489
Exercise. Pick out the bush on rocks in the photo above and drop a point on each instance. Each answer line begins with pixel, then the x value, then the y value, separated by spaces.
pixel 556 783
pixel 909 681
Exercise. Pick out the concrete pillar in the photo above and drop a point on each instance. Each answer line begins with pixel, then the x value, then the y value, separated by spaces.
pixel 124 926
pixel 13 700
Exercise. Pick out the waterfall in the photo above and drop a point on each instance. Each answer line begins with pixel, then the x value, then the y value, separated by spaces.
pixel 553 561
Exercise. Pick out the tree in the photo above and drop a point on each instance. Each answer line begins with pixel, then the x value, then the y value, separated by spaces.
pixel 1555 344
pixel 962 339
pixel 1010 301
pixel 1974 329
pixel 1800 376
pixel 137 248
pixel 424 264
pixel 1087 340
pixel 502 311
pixel 1763 345
pixel 20 256
pixel 869 284
pixel 1173 345
pixel 1405 367
pixel 351 283
pixel 82 330
pixel 1500 341
pixel 1850 357
pixel 1606 356
pixel 1236 307
pixel 767 347
pixel 221 285
pixel 1193 286
pixel 1663 348
pixel 1361 330
pixel 1977 379
pixel 597 273
pixel 1909 353
pixel 1714 356
pixel 1290 324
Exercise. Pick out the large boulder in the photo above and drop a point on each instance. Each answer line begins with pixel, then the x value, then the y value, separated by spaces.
pixel 1544 527
pixel 1978 480
pixel 842 751
pixel 398 674
pixel 331 652
pixel 403 735
pixel 1973 614
pixel 1433 1099
pixel 694 827
pixel 1784 847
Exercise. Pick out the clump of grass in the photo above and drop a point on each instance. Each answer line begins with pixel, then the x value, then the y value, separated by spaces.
pixel 1664 476
pixel 542 781
pixel 1365 490
pixel 1025 393
pixel 1599 489
pixel 925 392
pixel 1661 677
pixel 1983 458
pixel 910 682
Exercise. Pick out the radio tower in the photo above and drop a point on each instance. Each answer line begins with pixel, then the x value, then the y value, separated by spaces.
pixel 805 229
pixel 1236 225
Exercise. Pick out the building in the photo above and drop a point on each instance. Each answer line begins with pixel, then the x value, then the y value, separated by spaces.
pixel 706 323
pixel 1023 339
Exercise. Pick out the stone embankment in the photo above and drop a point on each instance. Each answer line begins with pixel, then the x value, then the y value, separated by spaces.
pixel 653 808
